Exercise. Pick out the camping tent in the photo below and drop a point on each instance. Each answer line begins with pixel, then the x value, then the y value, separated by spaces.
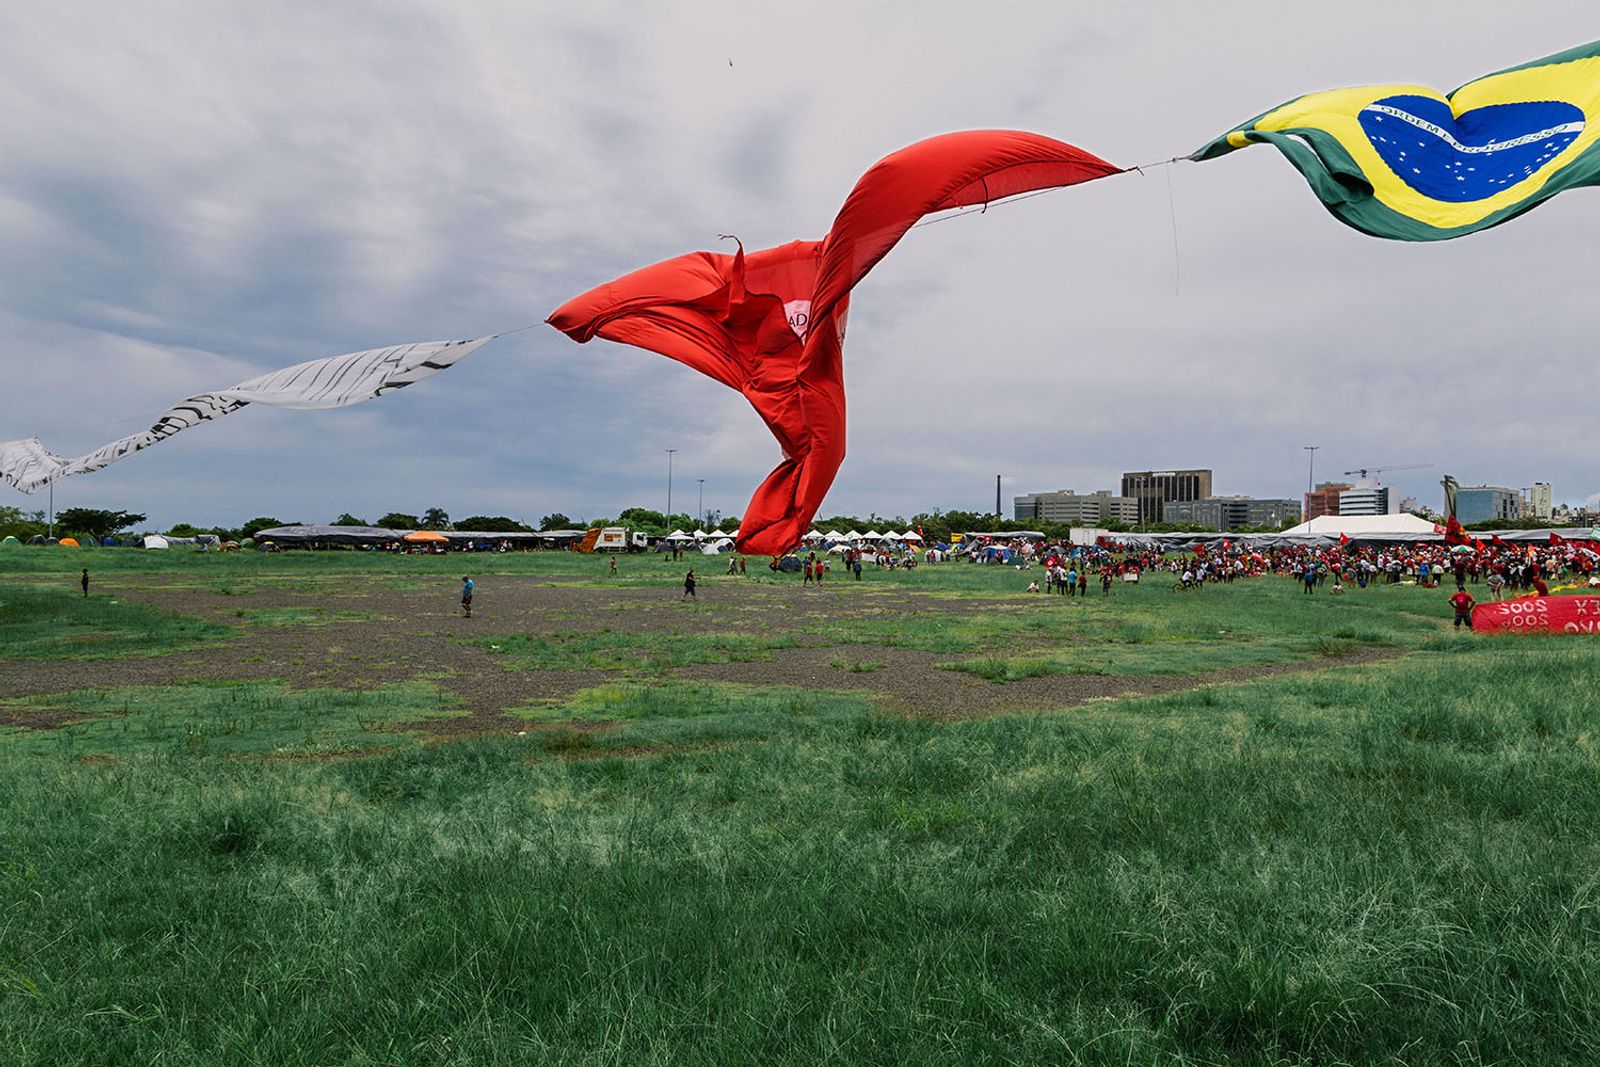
pixel 70 542
pixel 677 535
pixel 911 535
pixel 9 540
pixel 156 541
pixel 426 537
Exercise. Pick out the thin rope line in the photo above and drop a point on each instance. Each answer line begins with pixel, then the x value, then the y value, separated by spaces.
pixel 1177 261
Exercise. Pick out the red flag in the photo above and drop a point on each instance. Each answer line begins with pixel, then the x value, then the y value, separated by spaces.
pixel 1454 534
pixel 1477 544
pixel 771 324
pixel 1344 539
pixel 1199 550
pixel 1556 539
pixel 1494 539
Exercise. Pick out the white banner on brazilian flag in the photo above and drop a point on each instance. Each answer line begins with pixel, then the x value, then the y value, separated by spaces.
pixel 334 382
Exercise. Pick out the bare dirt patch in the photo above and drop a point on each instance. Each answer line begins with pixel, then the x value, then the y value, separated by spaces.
pixel 373 631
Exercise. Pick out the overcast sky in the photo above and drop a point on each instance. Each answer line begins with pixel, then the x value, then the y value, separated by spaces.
pixel 194 194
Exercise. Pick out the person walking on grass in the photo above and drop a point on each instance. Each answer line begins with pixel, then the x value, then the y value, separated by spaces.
pixel 688 586
pixel 85 581
pixel 613 566
pixel 1462 601
pixel 466 596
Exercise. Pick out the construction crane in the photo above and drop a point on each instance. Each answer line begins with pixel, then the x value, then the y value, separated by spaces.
pixel 1364 471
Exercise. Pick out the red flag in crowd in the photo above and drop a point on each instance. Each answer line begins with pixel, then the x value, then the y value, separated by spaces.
pixel 1454 534
pixel 1344 539
pixel 1556 539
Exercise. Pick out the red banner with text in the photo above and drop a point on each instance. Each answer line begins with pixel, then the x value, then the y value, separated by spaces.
pixel 1540 615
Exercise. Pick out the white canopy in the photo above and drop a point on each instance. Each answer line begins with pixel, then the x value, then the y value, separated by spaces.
pixel 699 535
pixel 853 535
pixel 677 535
pixel 833 537
pixel 891 536
pixel 714 534
pixel 873 535
pixel 811 535
pixel 1401 526
pixel 911 535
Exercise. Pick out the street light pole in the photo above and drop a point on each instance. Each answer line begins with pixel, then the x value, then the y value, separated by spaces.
pixel 1311 467
pixel 702 482
pixel 670 451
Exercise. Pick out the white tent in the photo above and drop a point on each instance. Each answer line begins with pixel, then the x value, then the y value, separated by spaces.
pixel 891 536
pixel 911 535
pixel 1400 527
pixel 833 537
pixel 853 535
pixel 699 535
pixel 156 541
pixel 677 535
pixel 722 544
pixel 811 535
pixel 873 535
pixel 715 535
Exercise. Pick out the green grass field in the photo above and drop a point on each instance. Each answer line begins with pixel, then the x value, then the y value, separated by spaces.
pixel 1391 862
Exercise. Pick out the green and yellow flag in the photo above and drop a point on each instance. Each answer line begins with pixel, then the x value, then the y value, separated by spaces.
pixel 1404 162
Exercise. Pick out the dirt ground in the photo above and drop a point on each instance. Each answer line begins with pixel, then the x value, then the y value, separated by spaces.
pixel 379 632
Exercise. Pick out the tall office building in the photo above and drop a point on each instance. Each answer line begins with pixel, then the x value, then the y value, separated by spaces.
pixel 1152 489
pixel 1324 499
pixel 1227 513
pixel 1366 497
pixel 1540 504
pixel 1090 509
pixel 1480 503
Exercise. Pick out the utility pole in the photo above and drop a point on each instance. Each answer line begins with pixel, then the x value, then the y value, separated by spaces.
pixel 670 451
pixel 1311 468
pixel 52 509
pixel 702 482
pixel 998 514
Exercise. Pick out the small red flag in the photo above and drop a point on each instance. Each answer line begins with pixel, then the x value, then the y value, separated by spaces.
pixel 1556 539
pixel 1344 539
pixel 1454 534
pixel 1495 539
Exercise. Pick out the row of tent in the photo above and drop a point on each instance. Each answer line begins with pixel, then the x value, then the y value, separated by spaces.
pixel 297 536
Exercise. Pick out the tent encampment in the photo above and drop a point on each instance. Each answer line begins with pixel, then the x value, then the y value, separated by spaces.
pixel 9 540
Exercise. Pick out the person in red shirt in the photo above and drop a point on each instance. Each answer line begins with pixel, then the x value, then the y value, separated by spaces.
pixel 1539 586
pixel 1462 601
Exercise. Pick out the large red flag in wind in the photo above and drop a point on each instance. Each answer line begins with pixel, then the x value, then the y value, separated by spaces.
pixel 771 323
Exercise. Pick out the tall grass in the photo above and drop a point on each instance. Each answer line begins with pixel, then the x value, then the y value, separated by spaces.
pixel 1385 864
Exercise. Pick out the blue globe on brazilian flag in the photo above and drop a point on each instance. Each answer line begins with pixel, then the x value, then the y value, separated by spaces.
pixel 1404 162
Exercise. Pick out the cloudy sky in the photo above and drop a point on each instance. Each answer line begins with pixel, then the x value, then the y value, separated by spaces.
pixel 194 194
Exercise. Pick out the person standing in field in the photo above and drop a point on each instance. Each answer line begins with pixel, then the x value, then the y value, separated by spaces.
pixel 1462 601
pixel 466 596
pixel 688 586
pixel 85 581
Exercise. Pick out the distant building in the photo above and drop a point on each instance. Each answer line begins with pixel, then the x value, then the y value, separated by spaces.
pixel 1227 513
pixel 1065 506
pixel 1366 497
pixel 1540 505
pixel 1153 489
pixel 1324 499
pixel 1481 503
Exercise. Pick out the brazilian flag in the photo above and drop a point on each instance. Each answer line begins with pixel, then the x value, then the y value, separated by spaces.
pixel 1404 162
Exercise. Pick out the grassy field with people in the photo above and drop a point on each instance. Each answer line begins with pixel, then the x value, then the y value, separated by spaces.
pixel 294 809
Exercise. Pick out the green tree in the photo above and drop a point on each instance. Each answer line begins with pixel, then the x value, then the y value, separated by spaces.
pixel 14 522
pixel 556 521
pixel 643 518
pixel 348 519
pixel 436 519
pixel 263 522
pixel 396 521
pixel 96 522
pixel 490 524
